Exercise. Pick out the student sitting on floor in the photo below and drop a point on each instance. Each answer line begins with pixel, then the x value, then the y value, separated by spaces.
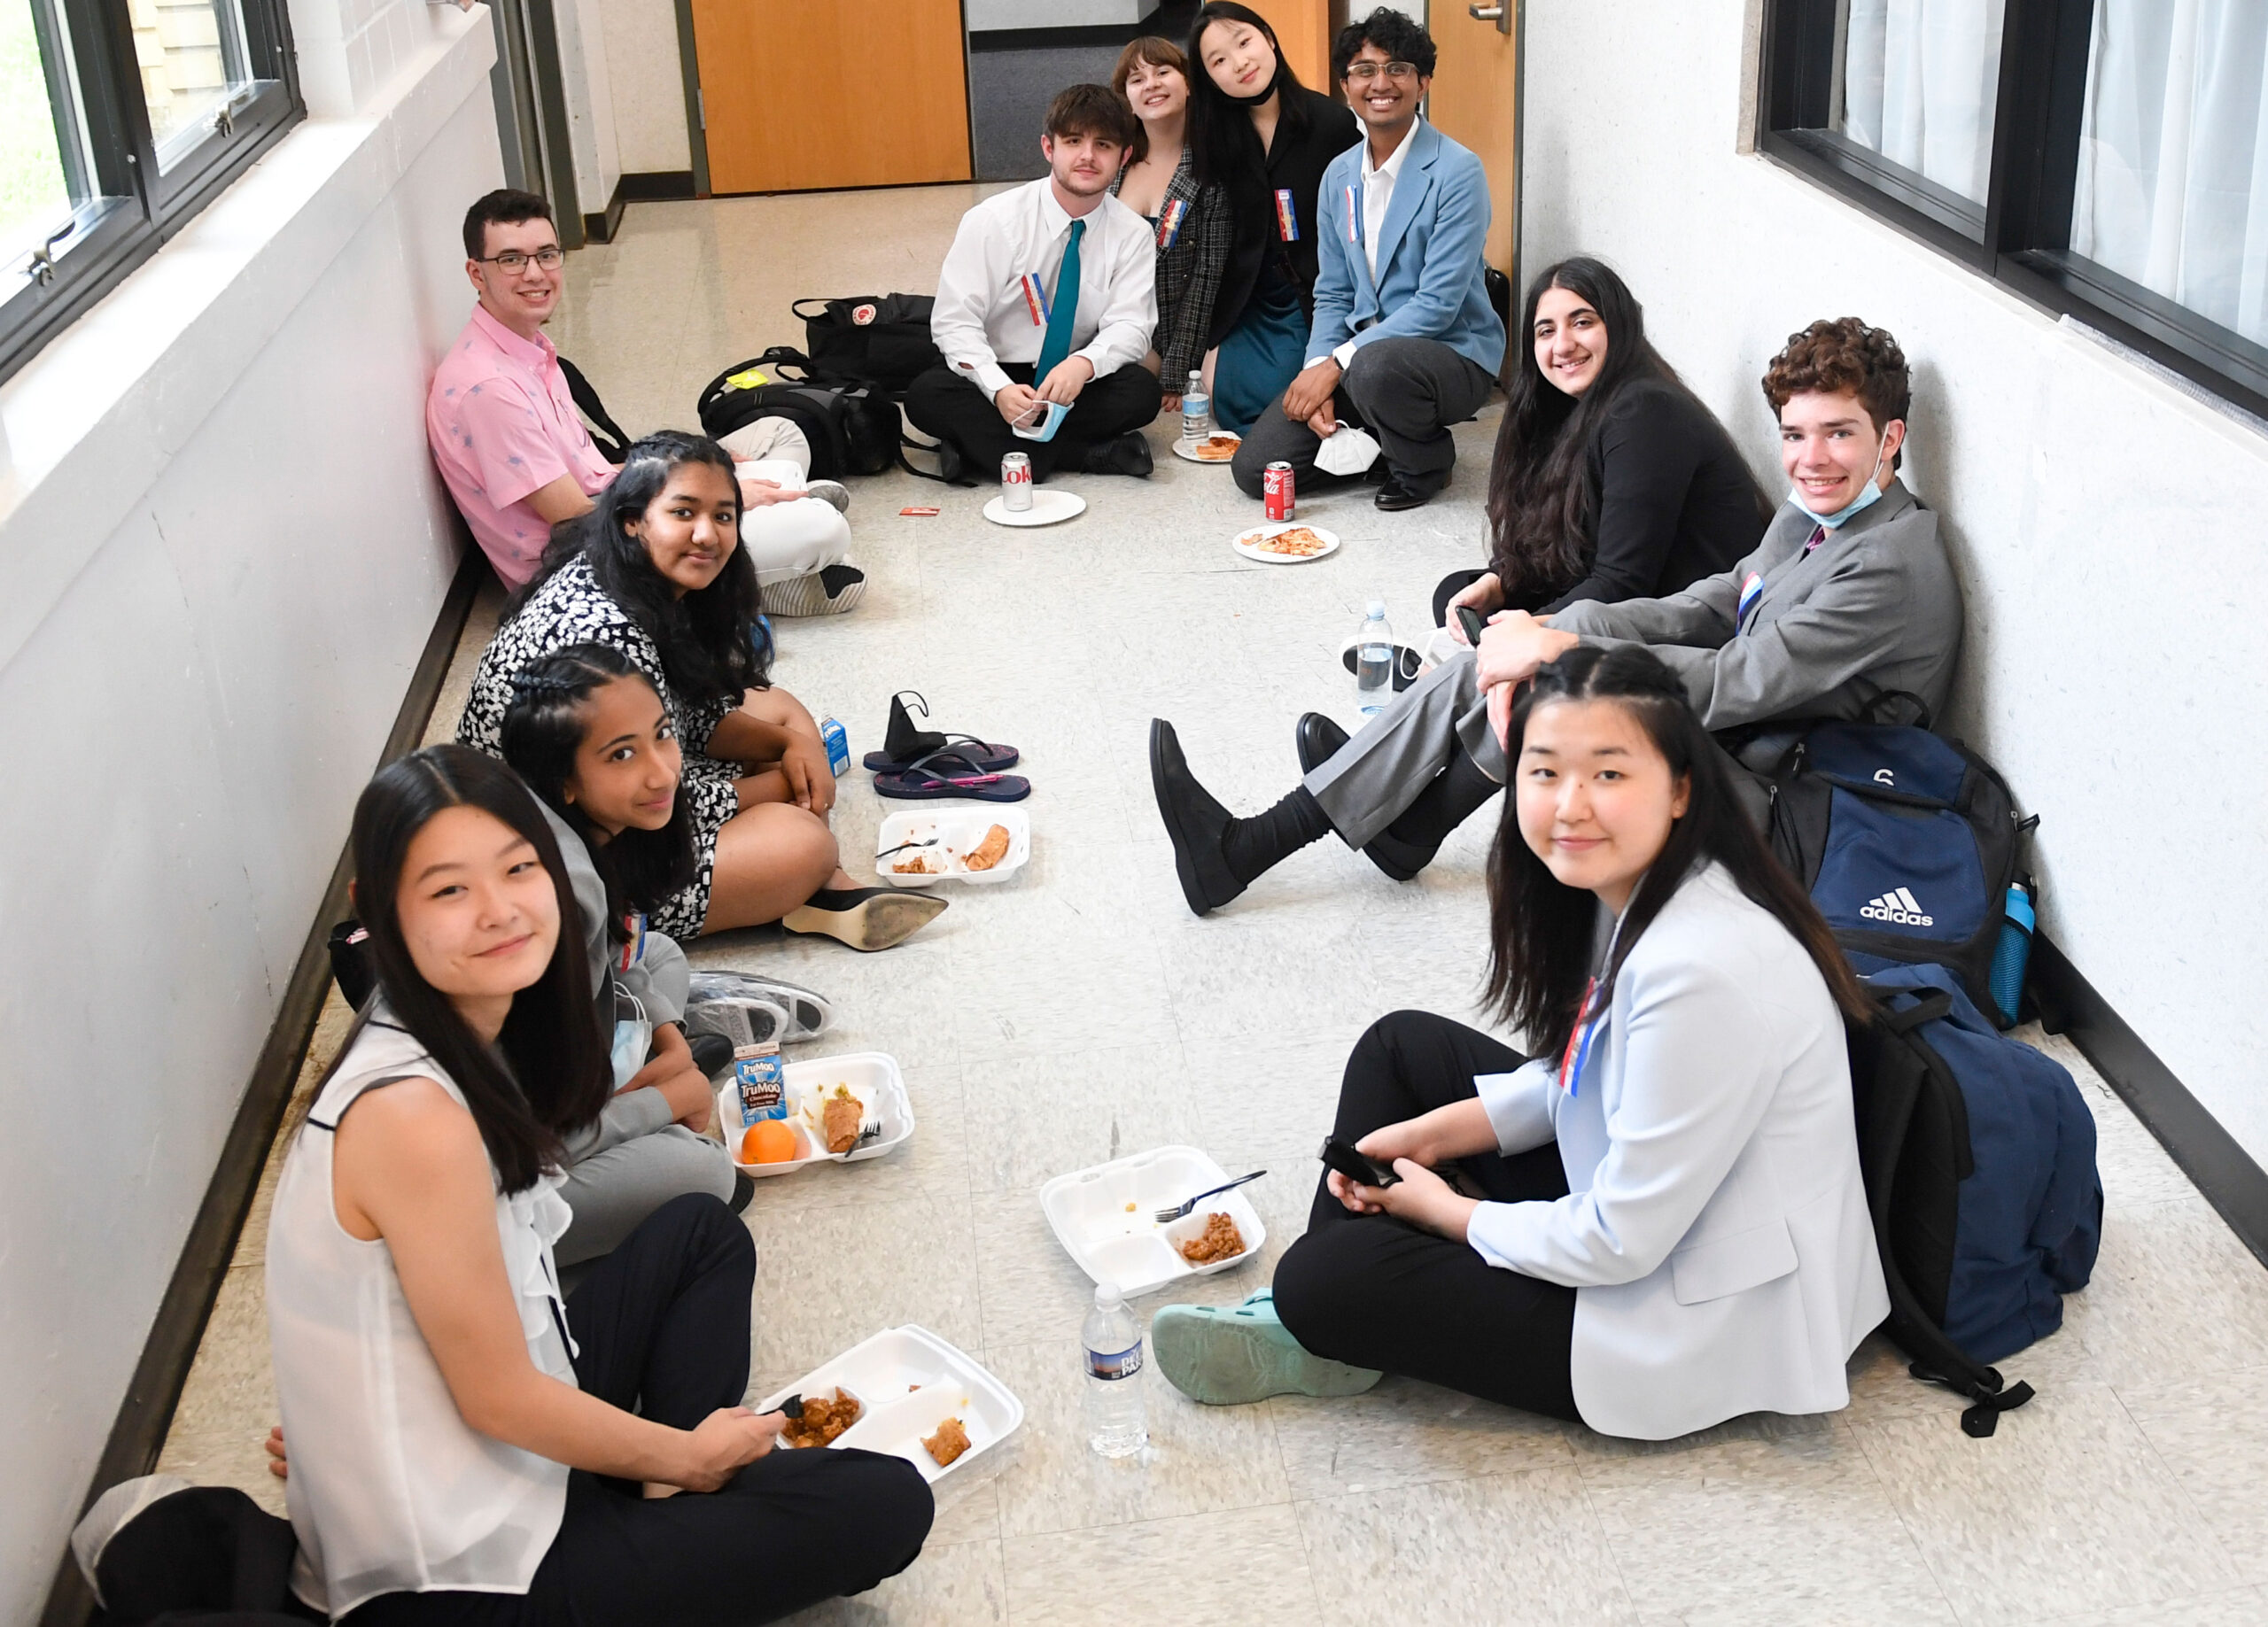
pixel 515 455
pixel 1191 221
pixel 656 570
pixel 464 1446
pixel 1048 298
pixel 1404 342
pixel 1673 1230
pixel 1848 596
pixel 591 738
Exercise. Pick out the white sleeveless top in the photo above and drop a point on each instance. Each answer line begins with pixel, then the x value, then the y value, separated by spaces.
pixel 391 1491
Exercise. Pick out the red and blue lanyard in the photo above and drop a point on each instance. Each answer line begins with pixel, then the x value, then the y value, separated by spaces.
pixel 1579 1040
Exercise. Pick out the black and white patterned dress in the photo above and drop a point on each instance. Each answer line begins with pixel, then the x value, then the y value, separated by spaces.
pixel 572 608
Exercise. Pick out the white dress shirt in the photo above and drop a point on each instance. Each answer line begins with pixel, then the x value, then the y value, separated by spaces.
pixel 982 318
pixel 1378 196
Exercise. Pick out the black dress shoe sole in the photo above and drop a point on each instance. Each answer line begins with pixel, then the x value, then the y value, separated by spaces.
pixel 1185 841
pixel 1312 733
pixel 1395 500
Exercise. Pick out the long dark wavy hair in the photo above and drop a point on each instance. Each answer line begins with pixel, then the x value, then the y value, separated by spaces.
pixel 543 730
pixel 1540 929
pixel 1542 504
pixel 1224 146
pixel 547 1076
pixel 709 638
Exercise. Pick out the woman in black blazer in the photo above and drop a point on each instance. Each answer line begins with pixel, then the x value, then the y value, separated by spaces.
pixel 1265 137
pixel 1609 481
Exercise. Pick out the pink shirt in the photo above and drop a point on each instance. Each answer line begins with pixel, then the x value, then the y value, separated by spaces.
pixel 502 425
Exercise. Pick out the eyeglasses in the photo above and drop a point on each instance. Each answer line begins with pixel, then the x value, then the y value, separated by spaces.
pixel 511 259
pixel 1362 72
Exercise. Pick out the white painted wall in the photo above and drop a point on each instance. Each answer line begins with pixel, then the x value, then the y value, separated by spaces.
pixel 588 87
pixel 647 85
pixel 2107 527
pixel 225 546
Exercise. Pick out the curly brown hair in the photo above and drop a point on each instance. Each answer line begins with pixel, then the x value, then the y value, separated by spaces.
pixel 1843 357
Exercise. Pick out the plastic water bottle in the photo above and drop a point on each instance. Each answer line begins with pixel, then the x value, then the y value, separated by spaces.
pixel 1196 410
pixel 1112 1339
pixel 1374 660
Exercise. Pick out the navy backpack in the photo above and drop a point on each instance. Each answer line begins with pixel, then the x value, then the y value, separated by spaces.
pixel 1978 1154
pixel 1907 842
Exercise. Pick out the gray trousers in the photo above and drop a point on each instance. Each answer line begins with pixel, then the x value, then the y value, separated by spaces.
pixel 1365 783
pixel 612 1191
pixel 1406 392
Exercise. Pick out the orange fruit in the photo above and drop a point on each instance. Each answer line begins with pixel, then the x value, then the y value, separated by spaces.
pixel 768 1140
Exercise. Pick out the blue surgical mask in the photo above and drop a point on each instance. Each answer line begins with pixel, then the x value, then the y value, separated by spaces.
pixel 1835 522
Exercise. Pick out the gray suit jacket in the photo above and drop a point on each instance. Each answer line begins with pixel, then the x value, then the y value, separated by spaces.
pixel 1875 608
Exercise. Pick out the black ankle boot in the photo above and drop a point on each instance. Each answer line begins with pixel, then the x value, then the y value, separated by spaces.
pixel 1409 844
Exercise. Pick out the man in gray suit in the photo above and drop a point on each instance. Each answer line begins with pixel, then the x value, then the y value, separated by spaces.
pixel 1849 596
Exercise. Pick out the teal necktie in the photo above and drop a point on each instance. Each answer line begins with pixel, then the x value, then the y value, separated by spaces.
pixel 1065 310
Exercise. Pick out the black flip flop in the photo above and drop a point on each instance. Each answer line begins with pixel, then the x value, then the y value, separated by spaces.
pixel 904 745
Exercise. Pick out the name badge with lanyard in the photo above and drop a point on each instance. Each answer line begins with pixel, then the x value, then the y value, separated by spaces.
pixel 1169 220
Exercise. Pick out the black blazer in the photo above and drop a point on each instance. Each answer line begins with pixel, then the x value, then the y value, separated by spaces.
pixel 1296 161
pixel 1676 502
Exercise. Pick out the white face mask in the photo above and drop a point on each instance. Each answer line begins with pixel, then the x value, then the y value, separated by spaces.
pixel 1865 499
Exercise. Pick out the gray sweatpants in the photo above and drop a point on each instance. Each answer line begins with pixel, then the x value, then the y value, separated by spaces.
pixel 628 1165
pixel 1406 392
pixel 1366 783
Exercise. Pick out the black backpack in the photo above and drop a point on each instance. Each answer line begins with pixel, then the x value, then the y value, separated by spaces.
pixel 878 339
pixel 1907 842
pixel 853 428
pixel 1978 1154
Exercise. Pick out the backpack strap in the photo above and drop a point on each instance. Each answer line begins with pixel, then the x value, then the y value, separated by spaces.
pixel 1895 1092
pixel 906 443
pixel 587 403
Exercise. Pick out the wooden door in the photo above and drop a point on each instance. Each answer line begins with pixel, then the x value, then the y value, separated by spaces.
pixel 1474 100
pixel 1303 34
pixel 812 94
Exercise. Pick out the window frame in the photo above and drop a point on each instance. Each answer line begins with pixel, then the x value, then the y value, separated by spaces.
pixel 137 205
pixel 2021 236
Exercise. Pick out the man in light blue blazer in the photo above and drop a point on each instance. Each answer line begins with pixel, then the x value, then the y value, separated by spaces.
pixel 1404 343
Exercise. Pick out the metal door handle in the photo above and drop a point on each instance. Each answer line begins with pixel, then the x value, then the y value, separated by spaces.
pixel 1500 14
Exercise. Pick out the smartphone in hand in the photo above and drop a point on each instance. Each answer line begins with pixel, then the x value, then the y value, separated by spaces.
pixel 1473 623
pixel 1357 1167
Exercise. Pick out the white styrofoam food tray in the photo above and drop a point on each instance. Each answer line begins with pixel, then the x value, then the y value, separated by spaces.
pixel 870 1076
pixel 1105 1218
pixel 958 828
pixel 909 1381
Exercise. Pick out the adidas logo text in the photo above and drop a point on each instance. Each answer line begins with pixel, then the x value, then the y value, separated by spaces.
pixel 1899 908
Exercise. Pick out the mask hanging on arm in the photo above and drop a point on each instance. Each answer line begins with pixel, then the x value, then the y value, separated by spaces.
pixel 1834 522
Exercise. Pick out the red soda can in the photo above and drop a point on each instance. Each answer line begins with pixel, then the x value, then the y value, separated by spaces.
pixel 1275 491
pixel 1015 481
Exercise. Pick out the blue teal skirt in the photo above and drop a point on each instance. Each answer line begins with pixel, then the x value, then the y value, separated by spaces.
pixel 1260 357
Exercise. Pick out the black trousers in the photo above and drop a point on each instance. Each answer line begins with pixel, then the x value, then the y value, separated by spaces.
pixel 1407 392
pixel 1377 1292
pixel 950 407
pixel 662 1325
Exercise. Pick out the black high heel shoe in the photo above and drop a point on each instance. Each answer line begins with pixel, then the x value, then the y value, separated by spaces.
pixel 864 917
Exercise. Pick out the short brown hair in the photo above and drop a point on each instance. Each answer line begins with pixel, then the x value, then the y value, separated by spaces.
pixel 1154 52
pixel 1092 110
pixel 504 206
pixel 1843 357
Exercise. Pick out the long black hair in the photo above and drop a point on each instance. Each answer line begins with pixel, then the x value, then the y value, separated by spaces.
pixel 1543 503
pixel 1224 146
pixel 543 729
pixel 547 1076
pixel 1540 929
pixel 709 638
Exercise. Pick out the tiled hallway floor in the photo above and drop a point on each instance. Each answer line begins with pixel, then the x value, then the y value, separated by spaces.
pixel 1079 1011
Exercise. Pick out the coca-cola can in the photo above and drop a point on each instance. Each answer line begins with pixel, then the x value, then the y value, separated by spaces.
pixel 1015 482
pixel 1275 491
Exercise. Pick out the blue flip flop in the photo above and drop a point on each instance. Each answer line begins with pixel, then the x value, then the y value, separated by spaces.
pixel 950 772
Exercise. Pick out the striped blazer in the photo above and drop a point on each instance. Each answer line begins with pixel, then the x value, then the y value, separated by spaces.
pixel 1188 272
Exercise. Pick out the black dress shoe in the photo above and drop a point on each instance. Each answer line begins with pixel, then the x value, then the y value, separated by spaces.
pixel 1194 821
pixel 1397 494
pixel 1319 740
pixel 1121 455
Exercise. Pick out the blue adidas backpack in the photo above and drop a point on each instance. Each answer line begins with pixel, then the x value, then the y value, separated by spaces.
pixel 1907 842
pixel 1978 1154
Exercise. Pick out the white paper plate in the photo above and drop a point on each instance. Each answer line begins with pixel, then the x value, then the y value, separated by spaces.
pixel 1049 507
pixel 873 1077
pixel 1105 1218
pixel 909 1380
pixel 1243 540
pixel 958 828
pixel 1183 449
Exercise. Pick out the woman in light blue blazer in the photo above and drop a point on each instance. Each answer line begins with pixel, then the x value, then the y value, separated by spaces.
pixel 1670 1228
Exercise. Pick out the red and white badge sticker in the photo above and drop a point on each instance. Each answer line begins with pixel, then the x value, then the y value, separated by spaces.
pixel 862 315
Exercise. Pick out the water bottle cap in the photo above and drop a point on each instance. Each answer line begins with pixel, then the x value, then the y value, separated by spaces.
pixel 1108 1297
pixel 1377 611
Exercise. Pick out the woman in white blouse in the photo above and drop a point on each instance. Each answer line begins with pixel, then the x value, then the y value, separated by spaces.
pixel 1671 1228
pixel 467 1447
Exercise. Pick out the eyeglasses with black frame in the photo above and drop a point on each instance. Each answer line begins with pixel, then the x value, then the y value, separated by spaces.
pixel 1362 72
pixel 125 120
pixel 2068 149
pixel 512 261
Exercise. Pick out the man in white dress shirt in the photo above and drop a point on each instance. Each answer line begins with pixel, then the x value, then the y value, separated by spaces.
pixel 1048 296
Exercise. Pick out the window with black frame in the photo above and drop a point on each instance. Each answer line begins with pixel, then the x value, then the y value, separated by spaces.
pixel 120 119
pixel 2106 158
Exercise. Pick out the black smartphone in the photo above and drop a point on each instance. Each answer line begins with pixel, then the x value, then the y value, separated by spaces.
pixel 1471 619
pixel 1356 1166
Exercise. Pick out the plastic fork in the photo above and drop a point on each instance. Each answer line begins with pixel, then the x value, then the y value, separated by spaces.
pixel 1165 1215
pixel 902 846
